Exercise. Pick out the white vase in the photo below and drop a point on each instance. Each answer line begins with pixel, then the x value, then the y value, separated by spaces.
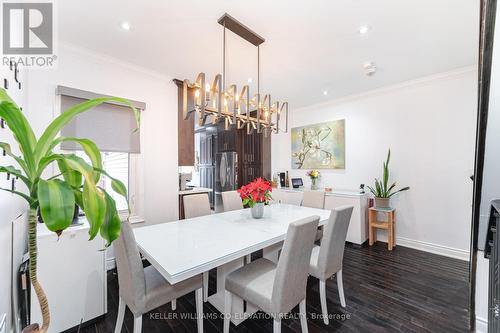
pixel 257 210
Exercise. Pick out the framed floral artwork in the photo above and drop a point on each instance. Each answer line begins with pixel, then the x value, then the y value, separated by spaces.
pixel 319 146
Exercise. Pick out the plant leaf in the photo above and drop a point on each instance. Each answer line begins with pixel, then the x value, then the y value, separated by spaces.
pixel 72 177
pixel 17 173
pixel 57 204
pixel 6 147
pixel 116 184
pixel 94 206
pixel 23 133
pixel 401 190
pixel 45 141
pixel 90 149
pixel 110 229
pixel 30 200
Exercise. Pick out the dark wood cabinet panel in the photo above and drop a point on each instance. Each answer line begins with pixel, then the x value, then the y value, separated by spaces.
pixel 227 140
pixel 185 132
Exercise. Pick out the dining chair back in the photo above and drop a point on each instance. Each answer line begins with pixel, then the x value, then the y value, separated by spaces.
pixel 331 251
pixel 314 199
pixel 130 269
pixel 144 289
pixel 196 205
pixel 231 200
pixel 290 281
pixel 326 259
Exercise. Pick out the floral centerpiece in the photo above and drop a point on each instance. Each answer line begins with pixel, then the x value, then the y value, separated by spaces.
pixel 255 195
pixel 314 175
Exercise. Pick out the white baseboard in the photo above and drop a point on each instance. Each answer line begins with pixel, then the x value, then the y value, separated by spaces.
pixel 433 248
pixel 481 325
pixel 110 264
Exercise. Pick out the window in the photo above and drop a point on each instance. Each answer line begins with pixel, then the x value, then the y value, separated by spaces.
pixel 117 165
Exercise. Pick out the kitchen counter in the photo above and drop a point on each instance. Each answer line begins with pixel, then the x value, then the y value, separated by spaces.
pixel 196 190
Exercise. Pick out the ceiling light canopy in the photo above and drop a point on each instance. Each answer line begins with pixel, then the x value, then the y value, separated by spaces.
pixel 236 108
pixel 364 29
pixel 325 92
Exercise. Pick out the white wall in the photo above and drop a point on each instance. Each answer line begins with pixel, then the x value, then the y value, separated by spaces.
pixel 157 199
pixel 429 124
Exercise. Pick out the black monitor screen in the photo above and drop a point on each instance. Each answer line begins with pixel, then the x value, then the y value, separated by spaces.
pixel 296 182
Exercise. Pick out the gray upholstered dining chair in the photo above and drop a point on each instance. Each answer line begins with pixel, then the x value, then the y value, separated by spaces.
pixel 326 259
pixel 276 289
pixel 314 199
pixel 231 200
pixel 196 205
pixel 145 289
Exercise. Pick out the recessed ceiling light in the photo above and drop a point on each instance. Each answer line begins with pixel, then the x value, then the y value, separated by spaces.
pixel 325 92
pixel 125 26
pixel 363 30
pixel 250 80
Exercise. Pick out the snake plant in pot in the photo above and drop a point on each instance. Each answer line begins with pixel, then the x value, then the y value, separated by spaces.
pixel 55 197
pixel 382 190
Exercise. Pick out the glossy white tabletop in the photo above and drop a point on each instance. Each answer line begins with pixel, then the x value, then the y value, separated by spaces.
pixel 182 249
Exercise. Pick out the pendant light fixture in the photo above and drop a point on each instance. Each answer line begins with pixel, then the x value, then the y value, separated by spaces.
pixel 236 109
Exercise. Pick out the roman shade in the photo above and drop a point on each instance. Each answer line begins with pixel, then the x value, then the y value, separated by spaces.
pixel 111 126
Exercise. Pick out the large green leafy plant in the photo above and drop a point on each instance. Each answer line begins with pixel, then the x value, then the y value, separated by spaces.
pixel 382 188
pixel 75 183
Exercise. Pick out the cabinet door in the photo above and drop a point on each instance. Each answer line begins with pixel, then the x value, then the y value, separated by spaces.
pixel 73 273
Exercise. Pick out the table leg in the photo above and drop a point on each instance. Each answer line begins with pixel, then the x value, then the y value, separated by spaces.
pixel 238 313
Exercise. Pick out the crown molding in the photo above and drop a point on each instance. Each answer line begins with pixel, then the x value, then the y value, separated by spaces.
pixel 106 58
pixel 390 88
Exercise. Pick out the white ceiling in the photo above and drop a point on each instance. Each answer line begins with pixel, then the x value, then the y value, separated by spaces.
pixel 310 46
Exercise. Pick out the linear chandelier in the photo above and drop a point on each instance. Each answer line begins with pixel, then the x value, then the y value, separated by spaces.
pixel 236 109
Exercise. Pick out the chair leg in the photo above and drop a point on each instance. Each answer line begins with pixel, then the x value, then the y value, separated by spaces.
pixel 322 297
pixel 277 325
pixel 228 298
pixel 340 285
pixel 174 304
pixel 121 315
pixel 303 316
pixel 205 286
pixel 199 309
pixel 138 324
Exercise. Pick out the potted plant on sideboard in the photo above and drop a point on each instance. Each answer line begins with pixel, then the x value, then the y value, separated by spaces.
pixel 255 195
pixel 382 191
pixel 55 197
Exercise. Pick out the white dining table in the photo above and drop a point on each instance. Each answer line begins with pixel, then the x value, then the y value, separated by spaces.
pixel 185 248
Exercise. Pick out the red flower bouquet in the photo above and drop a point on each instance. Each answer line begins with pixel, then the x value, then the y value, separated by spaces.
pixel 258 191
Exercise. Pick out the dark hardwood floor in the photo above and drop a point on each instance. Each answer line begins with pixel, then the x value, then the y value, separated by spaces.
pixel 405 290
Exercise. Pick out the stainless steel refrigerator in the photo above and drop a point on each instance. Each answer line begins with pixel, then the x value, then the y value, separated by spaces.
pixel 226 176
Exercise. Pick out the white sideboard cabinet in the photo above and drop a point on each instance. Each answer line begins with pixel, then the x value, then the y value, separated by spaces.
pixel 358 228
pixel 71 270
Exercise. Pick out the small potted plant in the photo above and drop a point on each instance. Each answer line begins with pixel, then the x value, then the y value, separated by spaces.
pixel 382 191
pixel 314 175
pixel 255 195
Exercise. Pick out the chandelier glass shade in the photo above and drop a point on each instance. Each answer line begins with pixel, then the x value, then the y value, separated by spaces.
pixel 237 108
